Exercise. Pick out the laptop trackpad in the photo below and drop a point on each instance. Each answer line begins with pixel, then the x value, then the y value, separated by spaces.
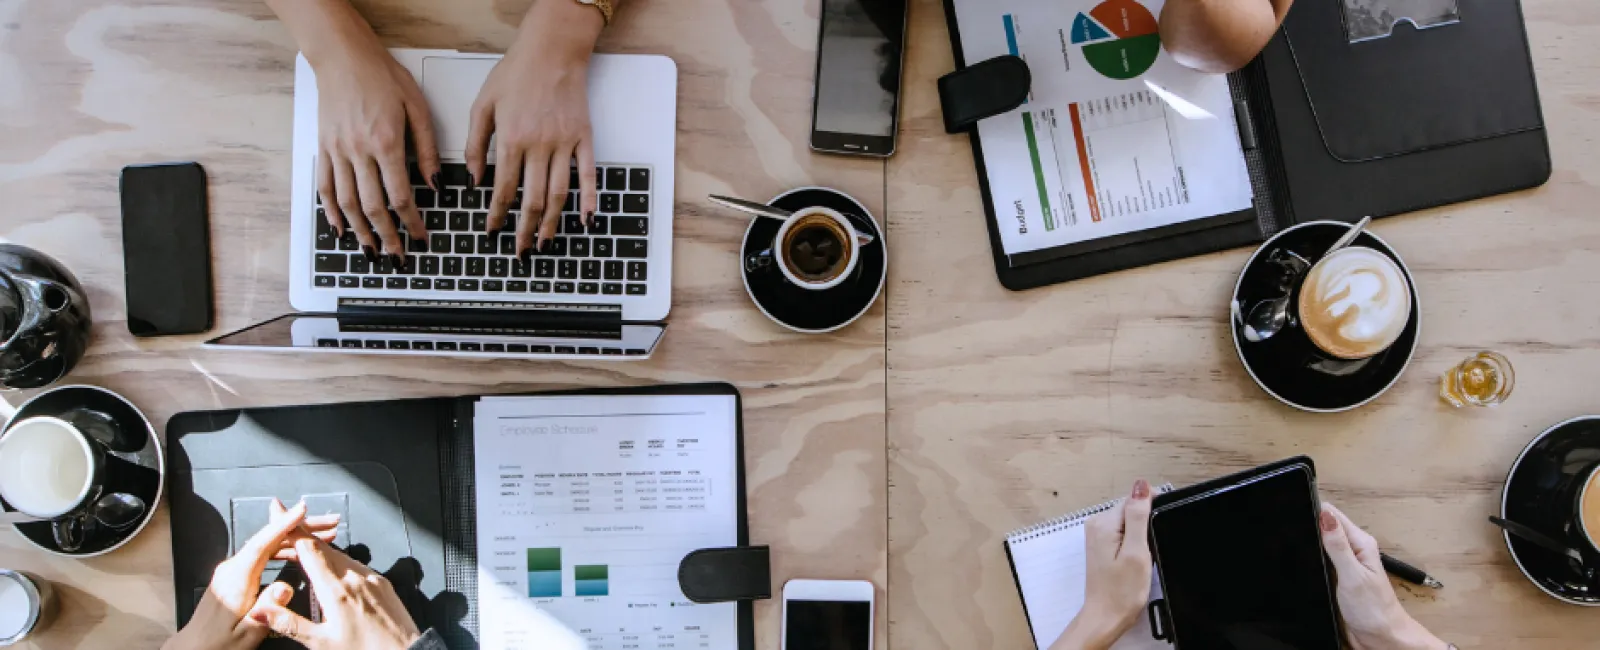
pixel 451 84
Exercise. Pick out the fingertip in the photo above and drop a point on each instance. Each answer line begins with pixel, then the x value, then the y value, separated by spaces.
pixel 1329 522
pixel 1141 489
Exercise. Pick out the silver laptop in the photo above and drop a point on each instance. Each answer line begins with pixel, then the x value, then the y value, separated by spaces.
pixel 598 291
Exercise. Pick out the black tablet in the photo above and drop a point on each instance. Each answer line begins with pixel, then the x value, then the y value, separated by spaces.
pixel 1242 566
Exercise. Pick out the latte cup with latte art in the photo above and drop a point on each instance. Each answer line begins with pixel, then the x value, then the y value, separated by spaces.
pixel 1354 303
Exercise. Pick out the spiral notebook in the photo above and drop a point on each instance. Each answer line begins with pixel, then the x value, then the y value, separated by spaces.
pixel 1048 563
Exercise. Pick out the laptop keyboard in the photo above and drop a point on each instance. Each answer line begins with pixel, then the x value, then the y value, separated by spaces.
pixel 607 258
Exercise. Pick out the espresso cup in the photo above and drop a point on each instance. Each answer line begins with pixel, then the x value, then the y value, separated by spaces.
pixel 1354 303
pixel 816 248
pixel 49 470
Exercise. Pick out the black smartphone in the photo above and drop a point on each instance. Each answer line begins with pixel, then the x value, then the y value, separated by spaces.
pixel 855 102
pixel 166 249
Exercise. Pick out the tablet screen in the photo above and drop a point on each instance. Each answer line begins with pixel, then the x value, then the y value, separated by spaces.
pixel 1242 567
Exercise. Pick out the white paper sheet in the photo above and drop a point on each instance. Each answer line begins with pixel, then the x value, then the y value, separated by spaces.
pixel 586 505
pixel 1116 137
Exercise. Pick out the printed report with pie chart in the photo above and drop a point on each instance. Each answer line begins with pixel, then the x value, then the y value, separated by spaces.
pixel 1115 136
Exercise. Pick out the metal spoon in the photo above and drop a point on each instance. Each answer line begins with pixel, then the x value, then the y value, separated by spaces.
pixel 1266 319
pixel 1537 538
pixel 1349 235
pixel 772 212
pixel 119 510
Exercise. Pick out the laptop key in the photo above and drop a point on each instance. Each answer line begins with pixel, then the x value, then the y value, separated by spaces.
pixel 349 282
pixel 610 203
pixel 566 349
pixel 632 226
pixel 326 240
pixel 494 347
pixel 590 270
pixel 591 351
pixel 517 348
pixel 408 266
pixel 598 225
pixel 325 281
pixel 430 265
pixel 614 270
pixel 516 286
pixel 616 178
pixel 452 266
pixel 539 286
pixel 399 345
pixel 588 288
pixel 420 284
pixel 349 343
pixel 435 220
pixel 416 245
pixel 444 284
pixel 439 242
pixel 464 245
pixel 494 285
pixel 637 248
pixel 569 269
pixel 499 267
pixel 359 265
pixel 449 197
pixel 541 349
pixel 487 246
pixel 459 221
pixel 468 346
pixel 564 287
pixel 557 247
pixel 476 266
pixel 453 173
pixel 508 243
pixel 544 268
pixel 395 283
pixel 511 218
pixel 348 242
pixel 603 247
pixel 445 346
pixel 639 179
pixel 636 203
pixel 422 345
pixel 327 343
pixel 521 269
pixel 373 345
pixel 467 285
pixel 572 202
pixel 636 289
pixel 384 266
pixel 330 262
pixel 472 199
pixel 371 282
pixel 638 271
pixel 424 197
pixel 571 224
pixel 611 288
pixel 480 222
pixel 578 246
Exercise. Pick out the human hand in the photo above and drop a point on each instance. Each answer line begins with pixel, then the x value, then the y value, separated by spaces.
pixel 219 621
pixel 360 609
pixel 366 104
pixel 536 104
pixel 1373 617
pixel 1118 585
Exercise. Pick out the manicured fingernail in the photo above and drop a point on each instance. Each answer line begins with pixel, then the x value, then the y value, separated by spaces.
pixel 588 218
pixel 397 260
pixel 542 244
pixel 525 255
pixel 472 181
pixel 1141 489
pixel 419 239
pixel 1329 522
pixel 438 180
pixel 494 232
pixel 371 255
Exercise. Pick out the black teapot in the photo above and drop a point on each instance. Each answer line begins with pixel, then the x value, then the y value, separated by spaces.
pixel 44 319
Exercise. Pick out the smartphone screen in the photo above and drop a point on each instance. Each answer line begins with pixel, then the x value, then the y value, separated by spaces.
pixel 857 93
pixel 166 249
pixel 828 625
pixel 1244 568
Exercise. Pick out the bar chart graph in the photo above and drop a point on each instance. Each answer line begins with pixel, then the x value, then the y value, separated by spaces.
pixel 591 580
pixel 544 573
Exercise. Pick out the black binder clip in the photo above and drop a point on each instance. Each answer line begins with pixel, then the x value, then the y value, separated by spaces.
pixel 719 575
pixel 983 89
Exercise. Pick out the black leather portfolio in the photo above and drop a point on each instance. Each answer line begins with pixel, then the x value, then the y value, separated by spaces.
pixel 1330 128
pixel 402 474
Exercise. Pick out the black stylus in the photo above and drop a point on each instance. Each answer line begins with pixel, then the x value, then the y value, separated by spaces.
pixel 1409 573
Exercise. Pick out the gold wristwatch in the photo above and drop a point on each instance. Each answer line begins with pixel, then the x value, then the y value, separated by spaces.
pixel 603 5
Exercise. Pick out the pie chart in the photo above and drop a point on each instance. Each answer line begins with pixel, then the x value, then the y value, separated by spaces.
pixel 1120 38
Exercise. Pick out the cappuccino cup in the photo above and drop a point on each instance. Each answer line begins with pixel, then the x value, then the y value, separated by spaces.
pixel 816 248
pixel 48 470
pixel 1354 303
pixel 1586 507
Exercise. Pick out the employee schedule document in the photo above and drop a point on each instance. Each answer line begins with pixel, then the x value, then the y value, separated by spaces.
pixel 585 507
pixel 1115 136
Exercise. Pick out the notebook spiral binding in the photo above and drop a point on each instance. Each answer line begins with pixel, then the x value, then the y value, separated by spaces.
pixel 1074 518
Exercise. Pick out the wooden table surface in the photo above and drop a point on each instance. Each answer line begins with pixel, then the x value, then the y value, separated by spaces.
pixel 900 449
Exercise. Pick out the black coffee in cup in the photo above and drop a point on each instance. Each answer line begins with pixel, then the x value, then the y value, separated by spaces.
pixel 815 248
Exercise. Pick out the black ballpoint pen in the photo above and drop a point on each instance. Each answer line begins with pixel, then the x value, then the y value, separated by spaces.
pixel 1409 573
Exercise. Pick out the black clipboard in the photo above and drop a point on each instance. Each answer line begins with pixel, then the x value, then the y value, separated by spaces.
pixel 1337 130
pixel 419 453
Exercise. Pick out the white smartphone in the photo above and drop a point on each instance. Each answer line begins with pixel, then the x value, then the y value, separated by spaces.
pixel 827 615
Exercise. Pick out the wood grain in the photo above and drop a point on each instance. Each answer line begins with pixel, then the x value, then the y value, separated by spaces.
pixel 1006 408
pixel 87 87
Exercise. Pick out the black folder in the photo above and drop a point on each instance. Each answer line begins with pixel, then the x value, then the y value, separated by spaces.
pixel 1330 130
pixel 417 455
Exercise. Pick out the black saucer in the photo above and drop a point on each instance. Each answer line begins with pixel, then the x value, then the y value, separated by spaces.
pixel 1538 493
pixel 138 473
pixel 1288 366
pixel 802 309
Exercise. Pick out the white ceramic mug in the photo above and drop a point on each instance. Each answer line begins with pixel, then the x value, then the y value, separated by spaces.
pixel 48 469
pixel 853 241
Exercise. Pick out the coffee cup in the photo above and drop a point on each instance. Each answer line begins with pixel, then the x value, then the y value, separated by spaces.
pixel 1586 507
pixel 1353 303
pixel 27 605
pixel 816 248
